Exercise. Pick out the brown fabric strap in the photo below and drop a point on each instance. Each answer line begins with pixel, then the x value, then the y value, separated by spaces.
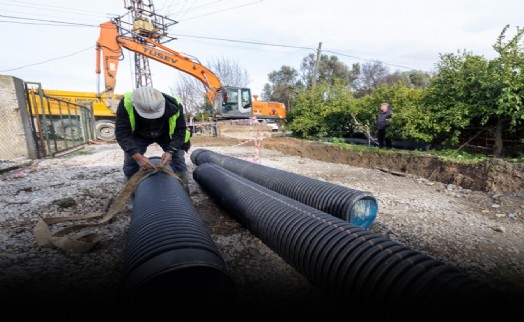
pixel 83 243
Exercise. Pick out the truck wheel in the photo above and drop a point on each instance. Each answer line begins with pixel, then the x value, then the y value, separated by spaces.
pixel 105 130
pixel 68 130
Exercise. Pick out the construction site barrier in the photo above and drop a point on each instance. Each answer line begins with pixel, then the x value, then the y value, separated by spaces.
pixel 355 206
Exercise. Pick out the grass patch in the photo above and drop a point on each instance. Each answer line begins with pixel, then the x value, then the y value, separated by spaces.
pixel 445 154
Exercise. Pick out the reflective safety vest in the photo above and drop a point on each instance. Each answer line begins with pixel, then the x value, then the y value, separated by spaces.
pixel 128 104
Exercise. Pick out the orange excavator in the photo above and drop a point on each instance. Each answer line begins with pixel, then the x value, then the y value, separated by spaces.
pixel 228 102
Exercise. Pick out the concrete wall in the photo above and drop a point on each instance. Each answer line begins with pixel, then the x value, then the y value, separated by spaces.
pixel 16 139
pixel 244 131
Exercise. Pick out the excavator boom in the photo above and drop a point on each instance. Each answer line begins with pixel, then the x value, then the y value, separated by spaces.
pixel 228 102
pixel 110 44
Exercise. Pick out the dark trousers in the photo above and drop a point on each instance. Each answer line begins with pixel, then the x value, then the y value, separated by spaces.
pixel 178 162
pixel 382 139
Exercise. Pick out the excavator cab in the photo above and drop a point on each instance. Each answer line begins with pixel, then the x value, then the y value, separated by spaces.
pixel 234 102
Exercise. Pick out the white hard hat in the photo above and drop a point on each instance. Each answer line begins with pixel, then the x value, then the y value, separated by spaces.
pixel 148 102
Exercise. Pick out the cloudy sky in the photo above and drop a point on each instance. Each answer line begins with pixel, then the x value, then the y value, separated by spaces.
pixel 52 42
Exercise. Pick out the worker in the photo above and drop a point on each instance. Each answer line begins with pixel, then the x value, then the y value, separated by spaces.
pixel 146 116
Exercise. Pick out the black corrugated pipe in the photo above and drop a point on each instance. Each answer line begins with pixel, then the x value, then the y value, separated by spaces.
pixel 170 257
pixel 358 207
pixel 350 264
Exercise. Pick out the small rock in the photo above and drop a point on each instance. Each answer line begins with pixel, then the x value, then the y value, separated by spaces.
pixel 500 229
pixel 495 205
pixel 500 215
pixel 485 211
pixel 65 202
pixel 513 216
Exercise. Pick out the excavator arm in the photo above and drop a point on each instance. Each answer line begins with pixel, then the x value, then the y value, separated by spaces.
pixel 109 48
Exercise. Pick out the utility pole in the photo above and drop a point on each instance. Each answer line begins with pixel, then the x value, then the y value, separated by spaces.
pixel 315 68
pixel 146 23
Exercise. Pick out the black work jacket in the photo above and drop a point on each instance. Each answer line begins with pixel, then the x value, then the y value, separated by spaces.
pixel 383 119
pixel 155 129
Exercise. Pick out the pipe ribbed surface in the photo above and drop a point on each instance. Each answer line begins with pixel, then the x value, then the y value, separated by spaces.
pixel 169 254
pixel 358 207
pixel 350 263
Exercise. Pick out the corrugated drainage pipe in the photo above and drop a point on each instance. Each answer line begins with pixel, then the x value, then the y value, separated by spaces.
pixel 358 207
pixel 170 256
pixel 350 264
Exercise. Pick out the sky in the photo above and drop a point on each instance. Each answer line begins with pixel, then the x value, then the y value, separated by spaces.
pixel 53 42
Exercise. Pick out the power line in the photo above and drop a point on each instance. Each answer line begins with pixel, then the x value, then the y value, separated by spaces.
pixel 53 21
pixel 371 60
pixel 289 46
pixel 46 61
pixel 72 24
pixel 35 23
pixel 24 4
pixel 223 10
pixel 245 42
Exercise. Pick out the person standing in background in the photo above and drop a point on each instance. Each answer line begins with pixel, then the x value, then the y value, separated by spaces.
pixel 384 114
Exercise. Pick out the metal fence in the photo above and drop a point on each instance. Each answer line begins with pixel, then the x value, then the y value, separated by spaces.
pixel 57 125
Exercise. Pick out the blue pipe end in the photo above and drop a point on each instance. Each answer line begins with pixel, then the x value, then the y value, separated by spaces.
pixel 364 212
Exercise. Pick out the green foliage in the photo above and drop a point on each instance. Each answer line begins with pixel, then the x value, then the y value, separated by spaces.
pixel 447 154
pixel 306 120
pixel 453 98
pixel 330 70
pixel 466 96
pixel 458 156
pixel 413 79
pixel 470 92
pixel 410 119
pixel 507 72
pixel 283 85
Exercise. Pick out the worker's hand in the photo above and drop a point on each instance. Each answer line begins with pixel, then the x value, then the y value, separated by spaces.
pixel 166 158
pixel 143 162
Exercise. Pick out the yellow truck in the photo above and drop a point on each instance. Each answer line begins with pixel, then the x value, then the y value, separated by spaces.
pixel 55 105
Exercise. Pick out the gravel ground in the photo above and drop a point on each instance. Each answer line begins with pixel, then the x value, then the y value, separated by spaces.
pixel 481 234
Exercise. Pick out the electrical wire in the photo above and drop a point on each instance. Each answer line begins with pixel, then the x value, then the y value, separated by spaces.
pixel 53 21
pixel 72 24
pixel 46 61
pixel 288 46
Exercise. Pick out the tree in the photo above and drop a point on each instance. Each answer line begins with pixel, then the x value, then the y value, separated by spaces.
pixel 469 91
pixel 453 97
pixel 508 80
pixel 412 78
pixel 282 86
pixel 410 119
pixel 372 75
pixel 229 72
pixel 330 70
pixel 307 119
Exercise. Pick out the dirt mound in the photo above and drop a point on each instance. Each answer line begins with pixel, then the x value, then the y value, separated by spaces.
pixel 490 176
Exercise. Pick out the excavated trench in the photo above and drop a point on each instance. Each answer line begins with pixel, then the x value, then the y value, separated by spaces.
pixel 492 175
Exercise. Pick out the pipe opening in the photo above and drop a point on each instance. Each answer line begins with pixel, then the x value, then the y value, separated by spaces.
pixel 364 212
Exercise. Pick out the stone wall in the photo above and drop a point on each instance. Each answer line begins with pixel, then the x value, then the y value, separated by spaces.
pixel 15 133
